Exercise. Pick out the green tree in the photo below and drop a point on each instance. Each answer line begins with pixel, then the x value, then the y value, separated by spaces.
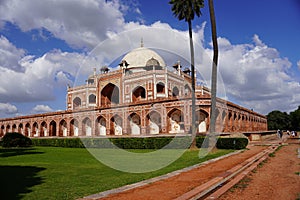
pixel 186 10
pixel 213 114
pixel 295 119
pixel 278 120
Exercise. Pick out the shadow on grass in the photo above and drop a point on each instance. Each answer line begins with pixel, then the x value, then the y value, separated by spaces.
pixel 17 180
pixel 8 152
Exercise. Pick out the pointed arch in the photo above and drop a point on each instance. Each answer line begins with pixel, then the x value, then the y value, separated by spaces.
pixel 175 121
pixel 86 127
pixel 187 90
pixel 14 128
pixel 27 129
pixel 20 129
pixel 100 126
pixel 35 129
pixel 134 124
pixel 160 88
pixel 116 125
pixel 175 92
pixel 43 129
pixel 201 121
pixel 153 121
pixel 110 95
pixel 92 99
pixel 2 131
pixel 52 128
pixel 138 94
pixel 76 103
pixel 74 127
pixel 63 128
pixel 7 128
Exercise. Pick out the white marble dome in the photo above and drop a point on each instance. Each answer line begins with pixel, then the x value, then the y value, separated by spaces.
pixel 140 56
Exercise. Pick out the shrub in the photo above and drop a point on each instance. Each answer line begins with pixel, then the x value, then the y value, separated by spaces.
pixel 15 140
pixel 138 142
pixel 232 143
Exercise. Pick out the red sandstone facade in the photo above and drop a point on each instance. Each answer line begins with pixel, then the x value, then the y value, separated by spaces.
pixel 141 97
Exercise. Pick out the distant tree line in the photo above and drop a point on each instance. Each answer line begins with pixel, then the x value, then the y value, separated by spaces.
pixel 284 121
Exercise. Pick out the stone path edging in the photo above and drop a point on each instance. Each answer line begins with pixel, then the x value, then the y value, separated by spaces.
pixel 158 178
pixel 233 175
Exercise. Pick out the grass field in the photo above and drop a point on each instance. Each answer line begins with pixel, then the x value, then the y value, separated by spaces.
pixel 70 173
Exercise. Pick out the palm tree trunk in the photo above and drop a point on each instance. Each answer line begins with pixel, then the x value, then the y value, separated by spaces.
pixel 214 69
pixel 193 127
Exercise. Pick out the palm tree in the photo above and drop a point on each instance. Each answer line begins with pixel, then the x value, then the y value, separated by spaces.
pixel 186 10
pixel 213 112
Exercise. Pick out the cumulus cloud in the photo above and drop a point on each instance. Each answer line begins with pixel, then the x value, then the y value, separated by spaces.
pixel 41 109
pixel 10 55
pixel 252 74
pixel 7 109
pixel 256 76
pixel 41 76
pixel 81 23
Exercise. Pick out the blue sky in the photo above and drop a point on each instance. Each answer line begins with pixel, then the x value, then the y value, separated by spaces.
pixel 43 44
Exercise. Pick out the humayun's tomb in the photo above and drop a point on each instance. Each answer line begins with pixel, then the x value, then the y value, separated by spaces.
pixel 141 97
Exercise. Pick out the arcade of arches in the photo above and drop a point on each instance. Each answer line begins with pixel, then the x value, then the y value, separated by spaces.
pixel 142 96
pixel 124 121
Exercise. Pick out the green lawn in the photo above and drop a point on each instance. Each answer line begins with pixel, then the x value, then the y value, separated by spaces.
pixel 69 173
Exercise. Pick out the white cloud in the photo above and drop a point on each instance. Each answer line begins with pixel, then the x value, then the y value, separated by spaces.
pixel 41 109
pixel 253 74
pixel 41 76
pixel 256 76
pixel 298 64
pixel 81 23
pixel 10 55
pixel 7 109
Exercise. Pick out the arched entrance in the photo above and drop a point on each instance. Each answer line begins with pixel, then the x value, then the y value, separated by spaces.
pixel 116 125
pixel 175 92
pixel 153 122
pixel 76 103
pixel 110 95
pixel 86 127
pixel 14 128
pixel 35 129
pixel 27 129
pixel 52 128
pixel 201 121
pixel 100 126
pixel 63 130
pixel 7 128
pixel 138 94
pixel 92 99
pixel 135 124
pixel 2 130
pixel 175 121
pixel 74 127
pixel 43 129
pixel 20 129
pixel 160 90
pixel 187 90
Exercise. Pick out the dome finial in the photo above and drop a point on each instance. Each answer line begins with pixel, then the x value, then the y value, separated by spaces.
pixel 142 42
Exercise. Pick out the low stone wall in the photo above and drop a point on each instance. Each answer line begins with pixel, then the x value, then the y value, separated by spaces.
pixel 259 136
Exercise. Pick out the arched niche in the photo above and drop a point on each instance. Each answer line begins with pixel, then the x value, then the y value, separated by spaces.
pixel 110 95
pixel 138 94
pixel 134 124
pixel 175 121
pixel 153 123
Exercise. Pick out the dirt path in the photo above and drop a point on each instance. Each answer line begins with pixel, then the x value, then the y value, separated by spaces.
pixel 175 186
pixel 278 178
